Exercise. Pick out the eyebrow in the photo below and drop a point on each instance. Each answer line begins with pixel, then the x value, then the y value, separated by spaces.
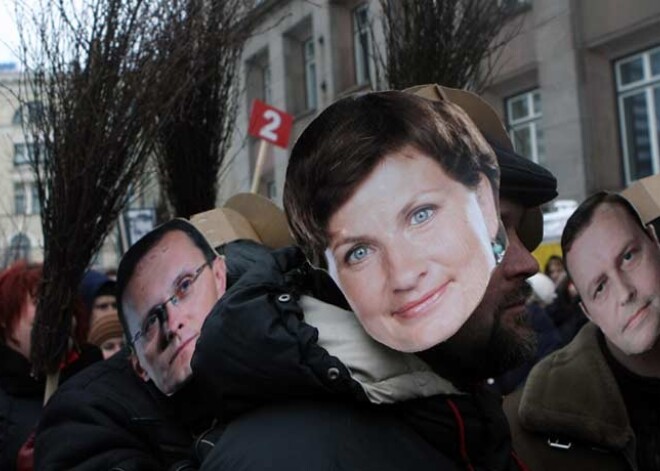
pixel 401 215
pixel 628 244
pixel 182 273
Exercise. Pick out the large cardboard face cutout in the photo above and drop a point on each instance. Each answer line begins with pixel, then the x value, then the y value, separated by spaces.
pixel 413 250
pixel 616 269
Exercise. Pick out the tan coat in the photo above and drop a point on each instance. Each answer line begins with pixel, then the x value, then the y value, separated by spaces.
pixel 572 401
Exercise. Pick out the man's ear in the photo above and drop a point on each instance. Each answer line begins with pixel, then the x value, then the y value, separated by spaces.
pixel 219 268
pixel 488 206
pixel 135 362
pixel 584 310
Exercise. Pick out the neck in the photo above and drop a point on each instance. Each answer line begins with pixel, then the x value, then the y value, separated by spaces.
pixel 645 364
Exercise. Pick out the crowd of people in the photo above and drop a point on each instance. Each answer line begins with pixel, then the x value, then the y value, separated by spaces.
pixel 382 336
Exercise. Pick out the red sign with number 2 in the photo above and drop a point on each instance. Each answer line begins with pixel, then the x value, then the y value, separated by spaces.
pixel 270 124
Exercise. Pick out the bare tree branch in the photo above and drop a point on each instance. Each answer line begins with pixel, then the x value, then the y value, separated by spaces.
pixel 203 41
pixel 93 67
pixel 451 42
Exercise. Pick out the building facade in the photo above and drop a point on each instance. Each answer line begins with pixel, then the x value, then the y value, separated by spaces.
pixel 21 235
pixel 578 87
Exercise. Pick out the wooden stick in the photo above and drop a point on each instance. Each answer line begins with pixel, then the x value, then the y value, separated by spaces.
pixel 258 168
pixel 51 385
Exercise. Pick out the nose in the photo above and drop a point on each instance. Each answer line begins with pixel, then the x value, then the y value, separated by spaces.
pixel 406 266
pixel 172 322
pixel 625 289
pixel 518 262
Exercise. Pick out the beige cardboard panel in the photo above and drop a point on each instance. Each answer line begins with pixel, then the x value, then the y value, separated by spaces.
pixel 644 194
pixel 222 225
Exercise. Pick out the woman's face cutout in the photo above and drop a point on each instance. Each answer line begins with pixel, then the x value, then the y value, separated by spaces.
pixel 411 250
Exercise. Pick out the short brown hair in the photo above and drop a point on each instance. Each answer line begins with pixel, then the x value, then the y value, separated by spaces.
pixel 584 214
pixel 343 145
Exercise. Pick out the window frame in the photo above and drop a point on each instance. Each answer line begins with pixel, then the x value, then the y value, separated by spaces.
pixel 363 72
pixel 309 67
pixel 532 120
pixel 647 86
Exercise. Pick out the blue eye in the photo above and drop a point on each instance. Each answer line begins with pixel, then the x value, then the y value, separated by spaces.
pixel 184 286
pixel 421 215
pixel 628 256
pixel 150 322
pixel 357 254
pixel 599 289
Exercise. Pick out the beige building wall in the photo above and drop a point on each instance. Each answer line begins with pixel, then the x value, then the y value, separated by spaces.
pixel 568 49
pixel 565 49
pixel 276 51
pixel 26 225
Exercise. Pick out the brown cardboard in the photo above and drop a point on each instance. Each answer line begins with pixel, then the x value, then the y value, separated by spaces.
pixel 644 194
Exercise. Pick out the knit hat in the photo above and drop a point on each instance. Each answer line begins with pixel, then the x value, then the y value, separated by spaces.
pixel 106 326
pixel 93 285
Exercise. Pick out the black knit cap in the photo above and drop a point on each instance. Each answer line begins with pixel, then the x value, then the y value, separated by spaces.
pixel 522 180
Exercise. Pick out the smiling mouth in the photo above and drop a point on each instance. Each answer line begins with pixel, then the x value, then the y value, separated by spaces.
pixel 640 313
pixel 181 347
pixel 420 305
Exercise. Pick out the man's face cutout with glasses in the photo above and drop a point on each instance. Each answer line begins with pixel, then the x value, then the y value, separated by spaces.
pixel 167 298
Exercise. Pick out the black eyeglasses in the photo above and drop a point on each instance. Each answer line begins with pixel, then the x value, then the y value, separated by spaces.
pixel 157 316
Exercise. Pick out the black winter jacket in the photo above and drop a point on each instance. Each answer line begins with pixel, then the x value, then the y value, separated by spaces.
pixel 294 400
pixel 107 418
pixel 20 404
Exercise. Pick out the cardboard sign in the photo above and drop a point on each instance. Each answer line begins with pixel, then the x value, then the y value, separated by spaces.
pixel 270 124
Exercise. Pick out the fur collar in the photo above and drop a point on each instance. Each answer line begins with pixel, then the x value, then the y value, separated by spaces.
pixel 573 393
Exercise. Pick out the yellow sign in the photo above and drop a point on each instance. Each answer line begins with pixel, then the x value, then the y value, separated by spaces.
pixel 544 251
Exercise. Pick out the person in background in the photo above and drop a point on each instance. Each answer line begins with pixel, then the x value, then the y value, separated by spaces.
pixel 554 269
pixel 595 404
pixel 565 311
pixel 21 395
pixel 99 295
pixel 106 333
pixel 542 294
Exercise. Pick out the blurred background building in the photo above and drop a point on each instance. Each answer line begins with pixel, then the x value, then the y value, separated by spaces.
pixel 578 88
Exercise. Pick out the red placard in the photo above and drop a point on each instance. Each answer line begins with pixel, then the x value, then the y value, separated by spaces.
pixel 270 124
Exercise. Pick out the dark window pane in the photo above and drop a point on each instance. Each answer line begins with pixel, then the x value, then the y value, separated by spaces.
pixel 522 140
pixel 638 136
pixel 631 71
pixel 655 63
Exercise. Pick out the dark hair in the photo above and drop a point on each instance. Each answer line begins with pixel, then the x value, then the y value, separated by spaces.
pixel 343 145
pixel 584 214
pixel 131 258
pixel 552 258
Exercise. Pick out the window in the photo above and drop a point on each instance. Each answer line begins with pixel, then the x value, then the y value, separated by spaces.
pixel 22 153
pixel 28 112
pixel 524 123
pixel 266 81
pixel 309 61
pixel 19 249
pixel 35 200
pixel 26 198
pixel 361 44
pixel 638 89
pixel 20 206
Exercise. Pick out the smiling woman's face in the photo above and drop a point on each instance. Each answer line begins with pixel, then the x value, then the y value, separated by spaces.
pixel 411 251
